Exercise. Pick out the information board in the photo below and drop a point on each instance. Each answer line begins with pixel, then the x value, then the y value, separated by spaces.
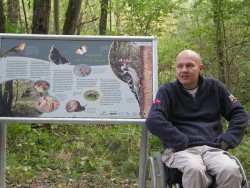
pixel 57 76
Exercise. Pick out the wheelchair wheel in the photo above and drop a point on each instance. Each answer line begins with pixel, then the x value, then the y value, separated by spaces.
pixel 150 174
pixel 160 171
pixel 155 172
pixel 244 183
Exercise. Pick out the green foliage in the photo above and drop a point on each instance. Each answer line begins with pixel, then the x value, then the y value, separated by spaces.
pixel 139 17
pixel 89 153
pixel 166 61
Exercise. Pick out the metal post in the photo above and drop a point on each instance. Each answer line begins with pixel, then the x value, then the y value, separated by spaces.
pixel 143 157
pixel 3 127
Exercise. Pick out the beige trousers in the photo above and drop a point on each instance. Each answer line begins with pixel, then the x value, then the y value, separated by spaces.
pixel 199 164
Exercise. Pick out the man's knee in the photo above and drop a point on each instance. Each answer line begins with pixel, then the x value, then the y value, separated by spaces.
pixel 229 175
pixel 230 170
pixel 195 168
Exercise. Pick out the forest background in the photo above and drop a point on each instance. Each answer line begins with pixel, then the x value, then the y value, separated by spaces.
pixel 108 155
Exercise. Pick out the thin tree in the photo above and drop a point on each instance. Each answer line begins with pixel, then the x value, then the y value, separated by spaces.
pixel 104 17
pixel 56 17
pixel 72 17
pixel 41 14
pixel 13 14
pixel 2 18
pixel 25 17
pixel 217 18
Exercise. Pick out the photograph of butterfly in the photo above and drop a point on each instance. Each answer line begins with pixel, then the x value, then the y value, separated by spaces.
pixel 82 50
pixel 56 58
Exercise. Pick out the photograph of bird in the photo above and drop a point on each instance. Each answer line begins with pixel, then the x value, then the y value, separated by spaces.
pixel 17 49
pixel 131 77
pixel 82 50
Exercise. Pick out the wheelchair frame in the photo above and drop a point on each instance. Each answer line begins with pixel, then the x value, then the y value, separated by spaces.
pixel 156 176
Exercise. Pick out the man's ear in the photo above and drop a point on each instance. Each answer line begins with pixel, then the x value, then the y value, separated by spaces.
pixel 201 68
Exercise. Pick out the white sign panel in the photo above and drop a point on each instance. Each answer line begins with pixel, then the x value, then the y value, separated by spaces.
pixel 79 77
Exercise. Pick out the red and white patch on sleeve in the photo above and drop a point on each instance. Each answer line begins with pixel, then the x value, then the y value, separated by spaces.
pixel 157 101
pixel 232 99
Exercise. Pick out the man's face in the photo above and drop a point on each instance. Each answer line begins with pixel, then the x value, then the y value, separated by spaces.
pixel 188 69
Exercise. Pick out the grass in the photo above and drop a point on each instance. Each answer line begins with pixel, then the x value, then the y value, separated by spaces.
pixel 73 154
pixel 82 155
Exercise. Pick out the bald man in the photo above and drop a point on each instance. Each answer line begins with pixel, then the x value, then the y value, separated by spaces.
pixel 186 116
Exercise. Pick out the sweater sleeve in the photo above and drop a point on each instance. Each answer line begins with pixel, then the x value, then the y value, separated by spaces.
pixel 159 125
pixel 236 116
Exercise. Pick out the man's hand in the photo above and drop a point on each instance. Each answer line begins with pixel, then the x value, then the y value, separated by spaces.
pixel 173 150
pixel 223 145
pixel 169 151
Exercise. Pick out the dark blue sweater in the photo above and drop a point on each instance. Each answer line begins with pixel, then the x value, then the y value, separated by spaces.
pixel 181 120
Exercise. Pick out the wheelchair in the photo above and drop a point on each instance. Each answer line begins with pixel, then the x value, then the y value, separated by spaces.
pixel 160 176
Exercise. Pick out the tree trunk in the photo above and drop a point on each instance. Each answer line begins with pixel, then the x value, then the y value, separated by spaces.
pixel 25 18
pixel 104 17
pixel 41 14
pixel 146 89
pixel 56 17
pixel 118 20
pixel 217 15
pixel 2 18
pixel 13 14
pixel 72 17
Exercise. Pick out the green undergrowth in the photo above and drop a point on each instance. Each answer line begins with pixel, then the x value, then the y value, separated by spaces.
pixel 82 155
pixel 98 155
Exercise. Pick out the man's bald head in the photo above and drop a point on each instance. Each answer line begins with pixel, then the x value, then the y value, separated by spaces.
pixel 191 54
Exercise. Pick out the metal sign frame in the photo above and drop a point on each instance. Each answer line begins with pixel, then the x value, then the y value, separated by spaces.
pixel 136 121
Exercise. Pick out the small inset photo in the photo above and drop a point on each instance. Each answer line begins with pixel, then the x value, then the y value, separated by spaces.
pixel 82 70
pixel 74 106
pixel 47 104
pixel 41 86
pixel 91 95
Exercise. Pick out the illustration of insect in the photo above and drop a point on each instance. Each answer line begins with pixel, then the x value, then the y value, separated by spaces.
pixel 56 57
